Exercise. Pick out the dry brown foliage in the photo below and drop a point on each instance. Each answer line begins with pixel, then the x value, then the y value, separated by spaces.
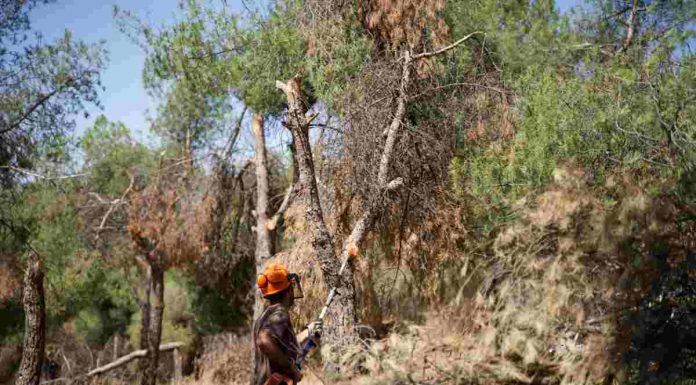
pixel 10 277
pixel 401 22
pixel 168 220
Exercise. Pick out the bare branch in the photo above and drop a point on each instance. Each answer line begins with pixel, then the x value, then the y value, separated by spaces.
pixel 289 195
pixel 235 135
pixel 131 356
pixel 392 132
pixel 631 26
pixel 30 173
pixel 115 203
pixel 445 49
pixel 43 99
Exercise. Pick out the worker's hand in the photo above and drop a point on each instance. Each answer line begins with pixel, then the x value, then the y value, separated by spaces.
pixel 316 329
pixel 296 374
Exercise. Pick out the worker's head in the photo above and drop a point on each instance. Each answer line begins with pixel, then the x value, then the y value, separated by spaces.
pixel 278 285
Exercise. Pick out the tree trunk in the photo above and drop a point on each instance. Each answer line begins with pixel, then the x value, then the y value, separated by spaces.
pixel 264 244
pixel 177 377
pixel 34 323
pixel 144 305
pixel 117 342
pixel 155 332
pixel 343 313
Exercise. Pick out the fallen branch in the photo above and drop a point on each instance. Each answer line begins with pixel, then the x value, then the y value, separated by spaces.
pixel 131 356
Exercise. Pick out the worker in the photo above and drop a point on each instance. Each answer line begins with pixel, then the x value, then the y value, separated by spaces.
pixel 276 347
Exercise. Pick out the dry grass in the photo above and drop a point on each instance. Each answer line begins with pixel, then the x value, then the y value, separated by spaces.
pixel 547 293
pixel 225 361
pixel 538 304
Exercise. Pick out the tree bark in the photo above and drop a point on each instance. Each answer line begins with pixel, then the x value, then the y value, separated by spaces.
pixel 265 226
pixel 34 323
pixel 155 332
pixel 177 375
pixel 117 342
pixel 343 312
pixel 264 244
pixel 144 305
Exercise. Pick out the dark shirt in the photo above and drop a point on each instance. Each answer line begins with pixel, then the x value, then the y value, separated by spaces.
pixel 275 319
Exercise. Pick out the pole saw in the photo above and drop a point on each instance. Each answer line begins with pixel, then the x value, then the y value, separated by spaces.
pixel 311 343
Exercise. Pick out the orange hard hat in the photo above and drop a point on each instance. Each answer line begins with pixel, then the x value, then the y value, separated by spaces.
pixel 274 279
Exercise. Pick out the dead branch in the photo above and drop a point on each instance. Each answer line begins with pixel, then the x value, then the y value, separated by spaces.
pixel 235 135
pixel 287 199
pixel 444 49
pixel 631 24
pixel 130 357
pixel 40 176
pixel 115 203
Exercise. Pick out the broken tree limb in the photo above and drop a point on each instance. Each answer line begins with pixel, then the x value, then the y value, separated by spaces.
pixel 132 356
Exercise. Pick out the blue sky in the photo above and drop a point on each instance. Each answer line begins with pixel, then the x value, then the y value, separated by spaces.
pixel 124 98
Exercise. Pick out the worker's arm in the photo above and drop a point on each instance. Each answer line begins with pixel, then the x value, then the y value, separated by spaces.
pixel 271 349
pixel 302 337
pixel 314 329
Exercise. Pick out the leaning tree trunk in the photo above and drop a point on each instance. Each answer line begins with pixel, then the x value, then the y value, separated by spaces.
pixel 342 313
pixel 34 323
pixel 155 333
